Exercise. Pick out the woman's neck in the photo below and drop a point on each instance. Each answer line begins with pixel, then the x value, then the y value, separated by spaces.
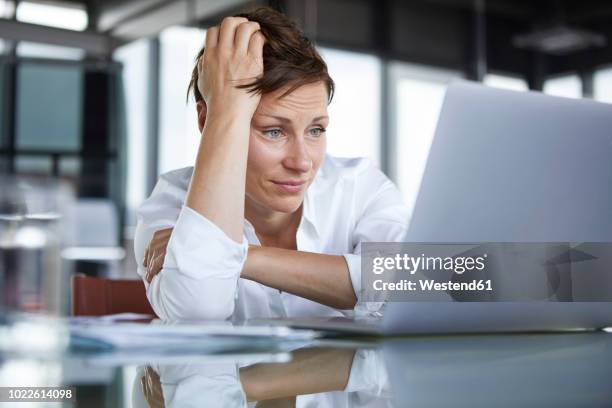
pixel 273 228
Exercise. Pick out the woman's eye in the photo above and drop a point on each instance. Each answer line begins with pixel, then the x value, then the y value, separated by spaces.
pixel 316 132
pixel 273 133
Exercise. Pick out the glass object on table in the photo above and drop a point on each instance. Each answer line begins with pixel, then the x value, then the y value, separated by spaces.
pixel 34 215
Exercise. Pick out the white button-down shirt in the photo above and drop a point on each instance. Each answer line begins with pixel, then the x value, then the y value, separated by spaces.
pixel 349 202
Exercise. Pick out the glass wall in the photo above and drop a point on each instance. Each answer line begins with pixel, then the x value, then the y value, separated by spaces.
pixel 506 82
pixel 38 50
pixel 418 93
pixel 568 86
pixel 135 84
pixel 5 12
pixel 603 85
pixel 49 114
pixel 6 9
pixel 54 14
pixel 179 136
pixel 49 107
pixel 2 116
pixel 354 127
pixel 49 96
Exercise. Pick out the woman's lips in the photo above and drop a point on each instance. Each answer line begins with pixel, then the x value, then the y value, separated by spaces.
pixel 290 186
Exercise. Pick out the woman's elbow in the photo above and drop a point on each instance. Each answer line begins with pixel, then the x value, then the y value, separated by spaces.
pixel 214 310
pixel 347 301
pixel 181 301
pixel 197 311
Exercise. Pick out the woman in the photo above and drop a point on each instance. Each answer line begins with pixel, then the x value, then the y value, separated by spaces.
pixel 265 224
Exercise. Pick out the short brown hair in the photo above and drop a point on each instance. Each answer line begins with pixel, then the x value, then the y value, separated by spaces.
pixel 289 57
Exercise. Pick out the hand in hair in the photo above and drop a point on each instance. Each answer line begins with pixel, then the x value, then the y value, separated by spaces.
pixel 233 56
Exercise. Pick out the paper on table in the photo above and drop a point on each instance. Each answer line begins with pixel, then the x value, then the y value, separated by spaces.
pixel 119 317
pixel 206 337
pixel 119 357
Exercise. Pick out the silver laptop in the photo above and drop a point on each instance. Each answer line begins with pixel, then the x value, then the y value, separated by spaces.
pixel 507 166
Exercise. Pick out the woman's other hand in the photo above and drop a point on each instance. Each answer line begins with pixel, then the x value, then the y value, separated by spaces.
pixel 233 57
pixel 155 253
pixel 151 388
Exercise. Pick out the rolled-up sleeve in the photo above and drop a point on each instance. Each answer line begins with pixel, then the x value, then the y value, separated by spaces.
pixel 200 274
pixel 202 266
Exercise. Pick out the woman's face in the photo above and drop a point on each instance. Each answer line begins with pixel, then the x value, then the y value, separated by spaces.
pixel 286 147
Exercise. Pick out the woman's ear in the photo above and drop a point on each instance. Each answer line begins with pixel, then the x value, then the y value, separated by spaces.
pixel 201 108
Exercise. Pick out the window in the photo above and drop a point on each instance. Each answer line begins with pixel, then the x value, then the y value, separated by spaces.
pixel 70 167
pixel 417 100
pixel 354 127
pixel 567 86
pixel 135 97
pixel 2 112
pixel 70 16
pixel 31 165
pixel 6 9
pixel 39 50
pixel 179 136
pixel 49 107
pixel 505 82
pixel 603 85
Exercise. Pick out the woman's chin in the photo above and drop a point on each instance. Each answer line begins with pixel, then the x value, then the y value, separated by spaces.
pixel 286 204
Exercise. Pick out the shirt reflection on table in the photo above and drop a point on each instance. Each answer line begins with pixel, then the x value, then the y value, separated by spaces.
pixel 315 377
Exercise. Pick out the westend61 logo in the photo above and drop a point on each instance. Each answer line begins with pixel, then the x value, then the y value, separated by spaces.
pixel 414 264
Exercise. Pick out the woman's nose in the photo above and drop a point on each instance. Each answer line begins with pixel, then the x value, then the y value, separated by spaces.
pixel 298 158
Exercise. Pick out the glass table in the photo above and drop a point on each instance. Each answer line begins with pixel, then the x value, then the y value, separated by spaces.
pixel 511 370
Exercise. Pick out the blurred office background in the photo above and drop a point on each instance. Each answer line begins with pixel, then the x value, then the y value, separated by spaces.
pixel 94 91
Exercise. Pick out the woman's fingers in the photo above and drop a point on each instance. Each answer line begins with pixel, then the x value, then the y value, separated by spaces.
pixel 149 261
pixel 228 31
pixel 228 64
pixel 244 32
pixel 212 37
pixel 151 254
pixel 158 264
pixel 145 262
pixel 256 44
pixel 155 253
pixel 149 275
pixel 155 266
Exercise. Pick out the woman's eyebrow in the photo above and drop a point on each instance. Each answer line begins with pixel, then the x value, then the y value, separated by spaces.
pixel 320 118
pixel 287 120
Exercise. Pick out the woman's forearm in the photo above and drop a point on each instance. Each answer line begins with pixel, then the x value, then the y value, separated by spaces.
pixel 232 57
pixel 310 371
pixel 318 277
pixel 217 186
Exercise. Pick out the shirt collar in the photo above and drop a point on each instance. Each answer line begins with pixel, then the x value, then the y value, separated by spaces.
pixel 309 211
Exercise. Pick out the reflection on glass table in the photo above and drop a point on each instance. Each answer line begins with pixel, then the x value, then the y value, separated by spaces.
pixel 503 370
pixel 321 377
pixel 560 370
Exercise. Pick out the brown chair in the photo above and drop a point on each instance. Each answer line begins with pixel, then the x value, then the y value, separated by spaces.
pixel 97 296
